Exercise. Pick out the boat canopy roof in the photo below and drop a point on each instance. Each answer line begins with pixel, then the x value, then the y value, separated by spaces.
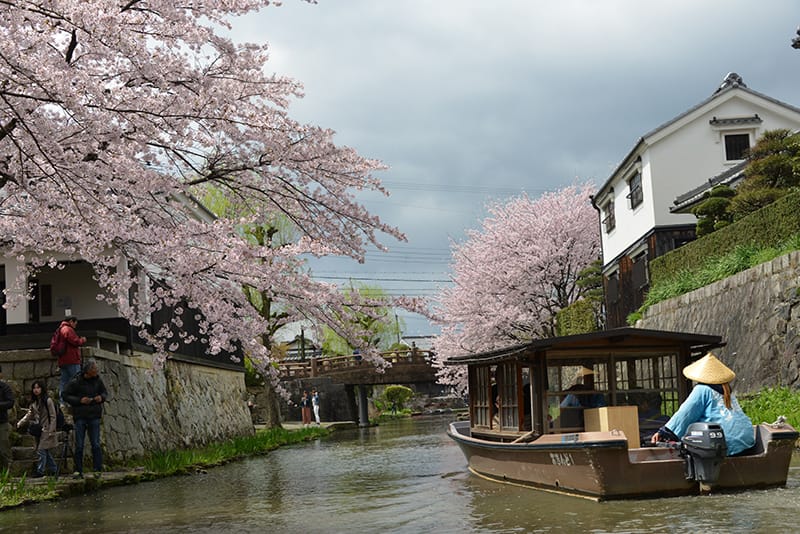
pixel 606 340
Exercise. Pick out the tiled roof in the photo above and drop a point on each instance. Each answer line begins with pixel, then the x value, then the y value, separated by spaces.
pixel 727 177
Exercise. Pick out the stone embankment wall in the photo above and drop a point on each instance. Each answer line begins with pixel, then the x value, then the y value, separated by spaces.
pixel 181 405
pixel 756 311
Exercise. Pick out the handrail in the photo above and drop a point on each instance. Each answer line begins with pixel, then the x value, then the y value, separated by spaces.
pixel 320 366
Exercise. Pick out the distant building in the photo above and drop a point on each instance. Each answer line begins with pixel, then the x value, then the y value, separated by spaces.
pixel 300 340
pixel 663 170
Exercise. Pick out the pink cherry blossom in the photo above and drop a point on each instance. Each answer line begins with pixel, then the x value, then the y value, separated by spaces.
pixel 512 275
pixel 115 116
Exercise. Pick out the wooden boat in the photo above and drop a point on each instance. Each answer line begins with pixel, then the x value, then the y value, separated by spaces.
pixel 522 430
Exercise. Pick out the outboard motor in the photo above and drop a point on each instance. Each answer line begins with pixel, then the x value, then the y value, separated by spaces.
pixel 704 449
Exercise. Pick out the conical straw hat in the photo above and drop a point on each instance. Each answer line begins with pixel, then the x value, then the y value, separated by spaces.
pixel 709 370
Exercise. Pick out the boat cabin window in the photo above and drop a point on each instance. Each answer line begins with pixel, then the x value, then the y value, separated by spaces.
pixel 649 382
pixel 480 391
pixel 500 397
pixel 571 389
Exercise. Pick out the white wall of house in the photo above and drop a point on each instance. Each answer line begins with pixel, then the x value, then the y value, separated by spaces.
pixel 631 223
pixel 678 158
pixel 72 291
pixel 685 156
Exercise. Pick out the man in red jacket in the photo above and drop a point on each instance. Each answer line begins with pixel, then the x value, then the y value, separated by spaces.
pixel 70 361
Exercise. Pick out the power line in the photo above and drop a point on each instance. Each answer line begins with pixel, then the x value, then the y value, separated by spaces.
pixel 380 279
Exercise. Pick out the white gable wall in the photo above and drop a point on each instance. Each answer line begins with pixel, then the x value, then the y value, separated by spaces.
pixel 685 157
pixel 678 158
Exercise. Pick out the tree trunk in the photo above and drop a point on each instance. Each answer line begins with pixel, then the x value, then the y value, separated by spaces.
pixel 270 409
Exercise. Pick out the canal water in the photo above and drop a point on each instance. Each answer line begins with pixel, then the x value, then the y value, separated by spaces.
pixel 400 477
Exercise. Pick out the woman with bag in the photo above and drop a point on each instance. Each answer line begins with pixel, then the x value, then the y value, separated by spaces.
pixel 41 420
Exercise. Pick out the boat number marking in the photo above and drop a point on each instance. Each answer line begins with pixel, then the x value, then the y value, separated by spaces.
pixel 561 458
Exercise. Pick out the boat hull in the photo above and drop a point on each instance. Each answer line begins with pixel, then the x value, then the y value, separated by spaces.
pixel 599 465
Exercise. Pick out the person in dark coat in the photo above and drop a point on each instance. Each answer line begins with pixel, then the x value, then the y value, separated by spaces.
pixel 86 393
pixel 6 403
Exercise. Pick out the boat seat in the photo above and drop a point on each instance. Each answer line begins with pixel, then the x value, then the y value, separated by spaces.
pixel 758 446
pixel 570 417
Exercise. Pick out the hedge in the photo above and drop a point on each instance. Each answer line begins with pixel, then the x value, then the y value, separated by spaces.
pixel 766 227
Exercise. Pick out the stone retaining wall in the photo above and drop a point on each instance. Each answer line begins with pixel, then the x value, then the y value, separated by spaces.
pixel 756 311
pixel 184 404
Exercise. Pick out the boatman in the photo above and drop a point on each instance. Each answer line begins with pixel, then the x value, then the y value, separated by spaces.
pixel 711 401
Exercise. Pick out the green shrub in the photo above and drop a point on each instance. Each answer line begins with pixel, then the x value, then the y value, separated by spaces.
pixel 713 269
pixel 397 395
pixel 766 405
pixel 580 317
pixel 767 227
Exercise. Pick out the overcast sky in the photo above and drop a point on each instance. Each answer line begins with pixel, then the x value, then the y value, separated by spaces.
pixel 469 100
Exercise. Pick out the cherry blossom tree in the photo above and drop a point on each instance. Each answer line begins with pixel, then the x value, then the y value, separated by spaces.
pixel 512 275
pixel 115 116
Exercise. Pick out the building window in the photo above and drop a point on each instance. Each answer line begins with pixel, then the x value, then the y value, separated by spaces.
pixel 736 146
pixel 635 195
pixel 609 222
pixel 639 272
pixel 612 288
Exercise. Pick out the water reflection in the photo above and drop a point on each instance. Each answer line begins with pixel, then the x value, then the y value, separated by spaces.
pixel 404 477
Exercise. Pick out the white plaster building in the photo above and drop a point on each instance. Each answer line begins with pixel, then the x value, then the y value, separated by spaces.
pixel 634 203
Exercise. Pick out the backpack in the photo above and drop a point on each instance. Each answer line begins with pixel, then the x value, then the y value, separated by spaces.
pixel 60 422
pixel 58 344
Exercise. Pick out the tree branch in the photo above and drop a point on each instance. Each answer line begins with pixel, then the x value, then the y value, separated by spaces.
pixel 7 128
pixel 73 44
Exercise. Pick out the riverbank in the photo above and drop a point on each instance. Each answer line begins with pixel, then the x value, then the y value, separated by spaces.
pixel 20 491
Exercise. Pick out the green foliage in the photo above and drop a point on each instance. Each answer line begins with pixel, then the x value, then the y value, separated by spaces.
pixel 387 415
pixel 775 161
pixel 767 227
pixel 15 491
pixel 579 317
pixel 584 314
pixel 590 281
pixel 397 395
pixel 739 259
pixel 187 460
pixel 251 376
pixel 751 200
pixel 381 324
pixel 766 405
pixel 773 169
pixel 712 213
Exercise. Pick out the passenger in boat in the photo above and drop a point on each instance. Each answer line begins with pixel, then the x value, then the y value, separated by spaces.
pixel 711 401
pixel 579 400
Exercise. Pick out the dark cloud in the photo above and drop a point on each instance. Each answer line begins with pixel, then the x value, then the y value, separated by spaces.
pixel 469 100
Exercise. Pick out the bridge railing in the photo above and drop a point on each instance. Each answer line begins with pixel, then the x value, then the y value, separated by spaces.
pixel 320 366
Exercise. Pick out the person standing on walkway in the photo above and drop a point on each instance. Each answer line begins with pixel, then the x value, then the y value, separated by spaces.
pixel 305 408
pixel 6 403
pixel 70 361
pixel 86 393
pixel 42 410
pixel 315 403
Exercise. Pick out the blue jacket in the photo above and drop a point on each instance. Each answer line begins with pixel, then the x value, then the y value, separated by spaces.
pixel 705 404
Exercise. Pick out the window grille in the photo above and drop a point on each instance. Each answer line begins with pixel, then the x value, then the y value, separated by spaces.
pixel 736 146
